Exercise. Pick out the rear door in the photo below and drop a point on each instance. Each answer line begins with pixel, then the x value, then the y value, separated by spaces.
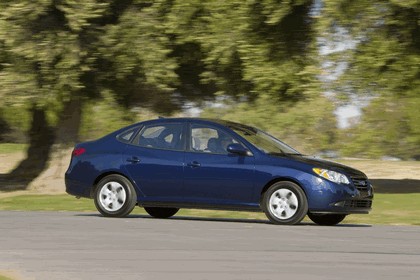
pixel 155 161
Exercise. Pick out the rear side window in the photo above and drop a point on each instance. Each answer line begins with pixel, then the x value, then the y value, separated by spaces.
pixel 126 136
pixel 162 136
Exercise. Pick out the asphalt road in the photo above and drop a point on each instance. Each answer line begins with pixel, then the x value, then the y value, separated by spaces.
pixel 51 245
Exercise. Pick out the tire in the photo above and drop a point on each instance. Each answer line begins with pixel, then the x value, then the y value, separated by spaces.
pixel 326 219
pixel 285 203
pixel 115 196
pixel 161 212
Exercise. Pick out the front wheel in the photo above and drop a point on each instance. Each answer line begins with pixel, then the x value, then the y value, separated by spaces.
pixel 115 196
pixel 161 212
pixel 326 219
pixel 285 203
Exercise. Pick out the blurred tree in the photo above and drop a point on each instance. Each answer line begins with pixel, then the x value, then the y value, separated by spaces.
pixel 57 53
pixel 384 64
pixel 249 48
pixel 46 49
pixel 261 56
pixel 52 58
pixel 390 126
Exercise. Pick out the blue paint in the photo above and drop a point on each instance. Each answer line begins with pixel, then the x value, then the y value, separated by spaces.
pixel 182 172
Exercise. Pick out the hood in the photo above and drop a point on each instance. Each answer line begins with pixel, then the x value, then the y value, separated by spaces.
pixel 321 163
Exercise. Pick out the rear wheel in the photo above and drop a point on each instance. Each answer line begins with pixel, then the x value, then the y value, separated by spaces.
pixel 285 203
pixel 161 212
pixel 326 219
pixel 115 196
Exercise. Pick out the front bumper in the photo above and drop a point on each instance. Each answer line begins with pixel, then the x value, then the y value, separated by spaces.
pixel 328 197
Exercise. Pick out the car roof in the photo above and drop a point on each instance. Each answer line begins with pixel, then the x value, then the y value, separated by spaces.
pixel 199 120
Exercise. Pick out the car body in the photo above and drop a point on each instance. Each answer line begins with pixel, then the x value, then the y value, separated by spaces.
pixel 171 163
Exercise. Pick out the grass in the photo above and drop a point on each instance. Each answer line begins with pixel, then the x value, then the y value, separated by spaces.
pixel 392 209
pixel 8 148
pixel 388 209
pixel 2 277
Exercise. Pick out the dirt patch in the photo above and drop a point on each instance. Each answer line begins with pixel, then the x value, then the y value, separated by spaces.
pixel 380 169
pixel 390 176
pixel 51 181
pixel 9 161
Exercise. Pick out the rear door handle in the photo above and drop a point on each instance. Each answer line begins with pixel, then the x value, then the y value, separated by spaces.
pixel 133 160
pixel 194 164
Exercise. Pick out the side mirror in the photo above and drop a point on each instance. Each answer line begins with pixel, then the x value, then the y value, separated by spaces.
pixel 238 149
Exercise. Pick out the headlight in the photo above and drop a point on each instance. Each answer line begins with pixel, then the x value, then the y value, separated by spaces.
pixel 333 176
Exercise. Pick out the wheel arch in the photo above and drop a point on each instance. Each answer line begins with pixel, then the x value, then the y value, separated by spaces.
pixel 103 175
pixel 280 179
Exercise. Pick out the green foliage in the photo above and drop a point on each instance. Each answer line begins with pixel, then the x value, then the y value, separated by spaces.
pixel 251 48
pixel 46 203
pixel 391 209
pixel 153 54
pixel 137 50
pixel 16 115
pixel 6 148
pixel 384 64
pixel 2 277
pixel 263 56
pixel 389 127
pixel 47 51
pixel 105 116
pixel 43 46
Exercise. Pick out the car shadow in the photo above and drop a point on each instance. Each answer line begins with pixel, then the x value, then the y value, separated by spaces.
pixel 219 220
pixel 223 220
pixel 185 218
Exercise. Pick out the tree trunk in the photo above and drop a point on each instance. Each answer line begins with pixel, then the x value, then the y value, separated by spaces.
pixel 67 132
pixel 41 139
pixel 4 127
pixel 45 143
pixel 66 135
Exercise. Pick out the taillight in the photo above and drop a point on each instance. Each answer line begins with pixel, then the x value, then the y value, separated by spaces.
pixel 78 151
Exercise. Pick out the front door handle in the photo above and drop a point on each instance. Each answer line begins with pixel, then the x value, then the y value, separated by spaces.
pixel 133 160
pixel 194 164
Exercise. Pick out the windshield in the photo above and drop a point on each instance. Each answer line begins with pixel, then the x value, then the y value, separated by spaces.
pixel 263 141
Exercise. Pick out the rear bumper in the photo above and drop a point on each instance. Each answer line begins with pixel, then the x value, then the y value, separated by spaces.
pixel 77 188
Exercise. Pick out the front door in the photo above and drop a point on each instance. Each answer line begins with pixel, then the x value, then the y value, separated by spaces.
pixel 211 174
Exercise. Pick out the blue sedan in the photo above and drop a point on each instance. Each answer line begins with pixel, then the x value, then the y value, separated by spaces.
pixel 171 163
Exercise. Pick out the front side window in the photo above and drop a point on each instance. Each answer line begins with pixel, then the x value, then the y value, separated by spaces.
pixel 209 140
pixel 162 136
pixel 263 141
